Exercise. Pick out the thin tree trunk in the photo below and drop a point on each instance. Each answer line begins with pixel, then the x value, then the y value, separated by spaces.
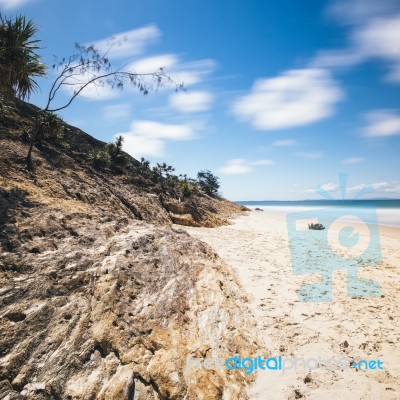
pixel 29 163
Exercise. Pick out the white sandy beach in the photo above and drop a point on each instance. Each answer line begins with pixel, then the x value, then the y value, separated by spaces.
pixel 256 247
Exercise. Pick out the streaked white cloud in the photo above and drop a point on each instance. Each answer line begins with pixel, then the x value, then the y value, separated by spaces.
pixel 116 111
pixel 382 123
pixel 376 187
pixel 97 90
pixel 377 39
pixel 374 34
pixel 188 102
pixel 326 187
pixel 187 73
pixel 284 143
pixel 149 138
pixel 240 166
pixel 101 90
pixel 129 43
pixel 236 166
pixel 353 160
pixel 310 155
pixel 125 47
pixel 190 73
pixel 258 163
pixel 138 146
pixel 358 11
pixel 153 64
pixel 162 131
pixel 295 98
pixel 11 4
pixel 330 187
pixel 337 58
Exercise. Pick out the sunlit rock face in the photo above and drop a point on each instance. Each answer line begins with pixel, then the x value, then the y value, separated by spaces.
pixel 114 310
pixel 101 297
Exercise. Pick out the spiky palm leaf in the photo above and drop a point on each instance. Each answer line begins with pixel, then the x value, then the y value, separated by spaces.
pixel 19 63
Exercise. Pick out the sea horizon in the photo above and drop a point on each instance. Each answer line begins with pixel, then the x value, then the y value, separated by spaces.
pixel 387 210
pixel 379 203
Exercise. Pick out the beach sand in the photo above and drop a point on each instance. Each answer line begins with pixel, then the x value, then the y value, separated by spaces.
pixel 256 247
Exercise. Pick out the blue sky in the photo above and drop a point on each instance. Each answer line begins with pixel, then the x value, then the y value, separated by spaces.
pixel 282 96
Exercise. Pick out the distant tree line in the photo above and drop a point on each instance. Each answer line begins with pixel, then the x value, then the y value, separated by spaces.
pixel 112 157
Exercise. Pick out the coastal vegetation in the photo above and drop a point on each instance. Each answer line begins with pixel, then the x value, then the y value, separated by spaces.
pixel 20 65
pixel 19 62
pixel 84 69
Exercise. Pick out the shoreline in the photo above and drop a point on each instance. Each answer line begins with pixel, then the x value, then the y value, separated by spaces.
pixel 383 214
pixel 256 248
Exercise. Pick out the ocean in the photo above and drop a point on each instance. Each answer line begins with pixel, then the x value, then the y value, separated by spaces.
pixel 383 212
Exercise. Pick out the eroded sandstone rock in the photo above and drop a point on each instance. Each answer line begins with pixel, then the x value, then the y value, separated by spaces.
pixel 116 309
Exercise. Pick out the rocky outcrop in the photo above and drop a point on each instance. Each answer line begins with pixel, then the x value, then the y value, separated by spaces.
pixel 101 297
pixel 201 210
pixel 111 309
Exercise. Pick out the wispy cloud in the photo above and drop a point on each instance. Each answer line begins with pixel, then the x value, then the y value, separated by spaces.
pixel 284 143
pixel 376 188
pixel 311 155
pixel 128 48
pixel 187 73
pixel 374 34
pixel 259 163
pixel 295 98
pixel 240 166
pixel 353 160
pixel 326 187
pixel 98 90
pixel 12 4
pixel 191 73
pixel 116 111
pixel 356 12
pixel 382 123
pixel 129 43
pixel 153 64
pixel 188 102
pixel 149 138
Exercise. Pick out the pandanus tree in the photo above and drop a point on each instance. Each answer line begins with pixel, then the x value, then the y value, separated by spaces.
pixel 19 62
pixel 85 69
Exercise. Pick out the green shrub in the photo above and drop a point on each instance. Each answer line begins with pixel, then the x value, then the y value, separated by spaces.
pixel 117 157
pixel 100 158
pixel 110 156
pixel 188 186
pixel 186 189
pixel 51 126
pixel 208 182
pixel 7 109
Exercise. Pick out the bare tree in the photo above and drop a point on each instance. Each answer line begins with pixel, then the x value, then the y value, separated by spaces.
pixel 87 68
